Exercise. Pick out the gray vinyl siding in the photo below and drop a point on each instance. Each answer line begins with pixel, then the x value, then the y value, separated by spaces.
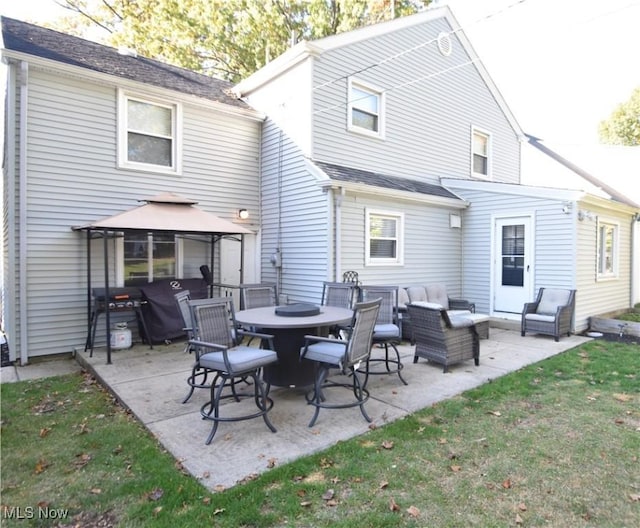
pixel 553 232
pixel 428 122
pixel 432 250
pixel 598 296
pixel 294 219
pixel 73 179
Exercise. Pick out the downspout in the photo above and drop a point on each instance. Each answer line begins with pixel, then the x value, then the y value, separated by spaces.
pixel 22 214
pixel 634 295
pixel 337 206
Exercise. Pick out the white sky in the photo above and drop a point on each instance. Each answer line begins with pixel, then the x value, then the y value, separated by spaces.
pixel 561 65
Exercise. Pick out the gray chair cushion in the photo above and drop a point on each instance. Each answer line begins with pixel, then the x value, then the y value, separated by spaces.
pixel 551 299
pixel 403 297
pixel 417 294
pixel 323 352
pixel 385 331
pixel 241 359
pixel 437 293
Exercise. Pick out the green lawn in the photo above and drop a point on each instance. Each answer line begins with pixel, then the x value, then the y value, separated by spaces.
pixel 554 444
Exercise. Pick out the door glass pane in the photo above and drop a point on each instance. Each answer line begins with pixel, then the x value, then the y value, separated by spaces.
pixel 513 255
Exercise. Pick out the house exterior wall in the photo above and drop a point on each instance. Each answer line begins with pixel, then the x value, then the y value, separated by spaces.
pixel 432 249
pixel 431 103
pixel 73 179
pixel 598 296
pixel 295 220
pixel 554 260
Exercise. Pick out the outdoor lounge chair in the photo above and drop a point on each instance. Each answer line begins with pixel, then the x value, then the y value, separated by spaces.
pixel 550 314
pixel 345 355
pixel 217 340
pixel 440 338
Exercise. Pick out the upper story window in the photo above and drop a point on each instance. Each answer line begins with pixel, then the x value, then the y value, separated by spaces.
pixel 480 154
pixel 385 238
pixel 365 109
pixel 607 250
pixel 148 134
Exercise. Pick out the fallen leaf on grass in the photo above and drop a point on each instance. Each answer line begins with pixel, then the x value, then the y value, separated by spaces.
pixel 495 413
pixel 383 484
pixel 271 463
pixel 522 507
pixel 82 460
pixel 218 511
pixel 518 519
pixel 41 465
pixel 328 495
pixel 387 444
pixel 456 469
pixel 157 510
pixel 413 511
pixel 305 504
pixel 393 505
pixel 635 497
pixel 95 491
pixel 44 431
pixel 155 495
pixel 506 484
pixel 623 397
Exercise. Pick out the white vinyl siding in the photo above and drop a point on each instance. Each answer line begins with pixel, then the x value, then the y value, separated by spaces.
pixel 73 180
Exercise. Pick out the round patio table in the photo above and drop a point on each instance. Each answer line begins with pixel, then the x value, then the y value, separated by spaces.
pixel 288 336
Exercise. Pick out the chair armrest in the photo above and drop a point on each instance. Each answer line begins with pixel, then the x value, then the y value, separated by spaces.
pixel 204 344
pixel 461 304
pixel 530 308
pixel 268 338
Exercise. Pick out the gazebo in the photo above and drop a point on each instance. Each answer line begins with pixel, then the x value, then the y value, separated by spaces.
pixel 164 213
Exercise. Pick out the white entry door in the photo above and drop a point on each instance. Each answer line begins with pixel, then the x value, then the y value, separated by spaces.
pixel 512 263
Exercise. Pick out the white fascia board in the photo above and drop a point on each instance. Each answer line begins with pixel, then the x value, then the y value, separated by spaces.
pixel 514 189
pixel 121 82
pixel 290 58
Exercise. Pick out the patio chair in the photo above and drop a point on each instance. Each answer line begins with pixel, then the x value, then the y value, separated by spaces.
pixel 387 333
pixel 344 355
pixel 551 313
pixel 199 377
pixel 258 295
pixel 217 339
pixel 341 295
pixel 442 339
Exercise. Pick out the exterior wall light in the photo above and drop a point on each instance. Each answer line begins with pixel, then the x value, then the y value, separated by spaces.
pixel 243 214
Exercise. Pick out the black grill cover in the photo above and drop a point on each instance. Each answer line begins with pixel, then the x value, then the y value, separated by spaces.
pixel 161 313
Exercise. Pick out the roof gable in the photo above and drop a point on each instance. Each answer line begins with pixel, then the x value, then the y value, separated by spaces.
pixel 28 39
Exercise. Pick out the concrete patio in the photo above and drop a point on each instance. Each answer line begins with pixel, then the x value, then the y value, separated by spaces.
pixel 151 383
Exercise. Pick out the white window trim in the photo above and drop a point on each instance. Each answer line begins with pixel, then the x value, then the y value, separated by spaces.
pixel 489 137
pixel 176 131
pixel 399 260
pixel 380 134
pixel 119 259
pixel 616 250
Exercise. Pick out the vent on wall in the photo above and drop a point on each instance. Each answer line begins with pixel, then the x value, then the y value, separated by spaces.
pixel 444 44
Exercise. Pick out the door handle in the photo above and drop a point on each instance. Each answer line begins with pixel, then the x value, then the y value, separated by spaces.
pixel 527 268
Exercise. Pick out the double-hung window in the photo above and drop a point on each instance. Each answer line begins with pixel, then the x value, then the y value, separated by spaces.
pixel 480 154
pixel 384 238
pixel 146 257
pixel 148 134
pixel 365 109
pixel 607 250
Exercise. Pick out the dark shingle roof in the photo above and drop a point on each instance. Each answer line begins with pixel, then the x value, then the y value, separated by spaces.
pixel 34 40
pixel 348 174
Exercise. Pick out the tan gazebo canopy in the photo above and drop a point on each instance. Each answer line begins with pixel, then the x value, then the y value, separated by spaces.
pixel 167 213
